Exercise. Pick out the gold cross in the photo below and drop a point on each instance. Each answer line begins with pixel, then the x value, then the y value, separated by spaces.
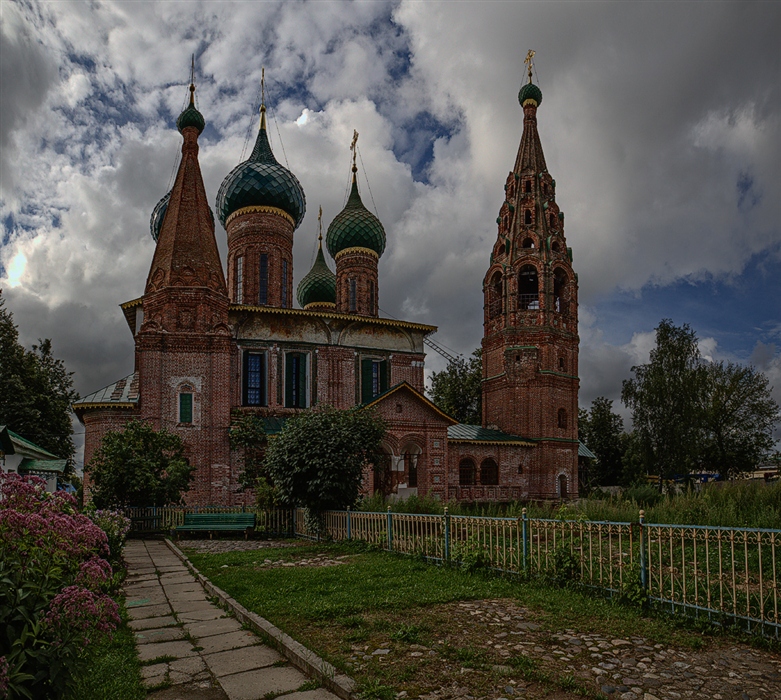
pixel 320 224
pixel 528 62
pixel 263 85
pixel 354 145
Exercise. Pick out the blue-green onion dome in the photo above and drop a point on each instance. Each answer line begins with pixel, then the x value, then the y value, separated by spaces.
pixel 355 227
pixel 318 288
pixel 191 116
pixel 158 214
pixel 260 181
pixel 530 92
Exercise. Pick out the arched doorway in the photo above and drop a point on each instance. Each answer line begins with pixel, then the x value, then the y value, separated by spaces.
pixel 562 486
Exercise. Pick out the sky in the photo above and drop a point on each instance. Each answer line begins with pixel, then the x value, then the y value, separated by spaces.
pixel 660 121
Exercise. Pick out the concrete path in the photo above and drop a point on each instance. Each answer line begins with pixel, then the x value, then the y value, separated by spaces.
pixel 192 649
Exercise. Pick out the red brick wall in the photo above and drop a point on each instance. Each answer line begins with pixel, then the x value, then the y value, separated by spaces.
pixel 362 267
pixel 249 236
pixel 96 424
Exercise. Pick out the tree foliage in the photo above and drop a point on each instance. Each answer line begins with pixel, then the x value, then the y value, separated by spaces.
pixel 603 433
pixel 318 458
pixel 139 466
pixel 691 415
pixel 458 389
pixel 36 390
pixel 248 438
pixel 738 418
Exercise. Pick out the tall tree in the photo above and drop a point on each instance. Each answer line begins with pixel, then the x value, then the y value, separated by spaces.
pixel 738 419
pixel 318 458
pixel 36 390
pixel 666 398
pixel 139 466
pixel 602 431
pixel 458 389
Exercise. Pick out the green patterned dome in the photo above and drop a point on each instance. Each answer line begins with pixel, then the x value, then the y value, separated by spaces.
pixel 530 92
pixel 319 285
pixel 355 227
pixel 191 116
pixel 261 181
pixel 158 214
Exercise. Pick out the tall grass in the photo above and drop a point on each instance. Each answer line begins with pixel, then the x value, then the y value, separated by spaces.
pixel 728 504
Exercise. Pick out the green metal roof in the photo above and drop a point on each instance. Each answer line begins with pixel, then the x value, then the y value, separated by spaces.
pixel 191 117
pixel 530 92
pixel 355 227
pixel 43 465
pixel 583 451
pixel 123 391
pixel 261 181
pixel 14 444
pixel 319 284
pixel 461 432
pixel 158 214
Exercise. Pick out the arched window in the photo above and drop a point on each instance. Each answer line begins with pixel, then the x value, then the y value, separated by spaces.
pixel 186 404
pixel 552 220
pixel 527 243
pixel 410 454
pixel 466 472
pixel 489 472
pixel 527 217
pixel 528 289
pixel 562 364
pixel 495 295
pixel 555 246
pixel 528 186
pixel 560 290
pixel 562 486
pixel 561 418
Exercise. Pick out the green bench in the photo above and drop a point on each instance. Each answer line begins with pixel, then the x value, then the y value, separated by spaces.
pixel 217 522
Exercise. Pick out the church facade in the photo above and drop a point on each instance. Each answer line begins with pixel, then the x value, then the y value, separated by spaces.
pixel 210 347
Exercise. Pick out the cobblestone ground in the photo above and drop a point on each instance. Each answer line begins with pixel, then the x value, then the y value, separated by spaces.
pixel 221 546
pixel 630 668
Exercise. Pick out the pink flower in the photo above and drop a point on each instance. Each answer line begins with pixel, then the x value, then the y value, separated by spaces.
pixel 77 612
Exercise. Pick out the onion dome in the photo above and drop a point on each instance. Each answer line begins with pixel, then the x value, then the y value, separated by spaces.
pixel 260 181
pixel 318 288
pixel 355 227
pixel 530 93
pixel 191 116
pixel 158 214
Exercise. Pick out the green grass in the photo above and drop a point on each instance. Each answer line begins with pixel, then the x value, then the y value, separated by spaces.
pixel 113 671
pixel 729 504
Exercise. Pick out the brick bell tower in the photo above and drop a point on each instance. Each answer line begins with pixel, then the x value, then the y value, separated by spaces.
pixel 530 337
pixel 261 203
pixel 183 346
pixel 356 240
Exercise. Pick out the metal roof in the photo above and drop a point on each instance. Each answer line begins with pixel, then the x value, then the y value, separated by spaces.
pixel 583 451
pixel 14 444
pixel 123 393
pixel 461 432
pixel 43 465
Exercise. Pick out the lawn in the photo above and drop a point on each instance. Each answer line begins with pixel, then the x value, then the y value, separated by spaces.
pixel 437 624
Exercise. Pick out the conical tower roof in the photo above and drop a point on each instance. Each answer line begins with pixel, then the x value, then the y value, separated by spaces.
pixel 318 288
pixel 186 254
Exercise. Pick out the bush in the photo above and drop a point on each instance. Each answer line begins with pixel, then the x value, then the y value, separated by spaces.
pixel 53 582
pixel 115 526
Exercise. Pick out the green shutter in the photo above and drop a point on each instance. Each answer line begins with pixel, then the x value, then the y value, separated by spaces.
pixel 289 380
pixel 185 408
pixel 366 381
pixel 302 380
pixel 383 376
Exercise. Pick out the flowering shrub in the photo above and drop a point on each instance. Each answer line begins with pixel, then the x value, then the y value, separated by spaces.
pixel 53 574
pixel 116 526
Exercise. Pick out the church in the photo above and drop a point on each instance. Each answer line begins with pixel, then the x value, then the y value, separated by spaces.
pixel 210 347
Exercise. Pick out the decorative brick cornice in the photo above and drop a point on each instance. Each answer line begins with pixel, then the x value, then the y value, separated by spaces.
pixel 261 210
pixel 357 250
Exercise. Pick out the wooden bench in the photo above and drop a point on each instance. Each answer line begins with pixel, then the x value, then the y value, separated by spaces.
pixel 218 522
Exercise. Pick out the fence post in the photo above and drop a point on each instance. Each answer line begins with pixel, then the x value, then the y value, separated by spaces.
pixel 349 528
pixel 293 523
pixel 643 562
pixel 390 530
pixel 525 538
pixel 447 536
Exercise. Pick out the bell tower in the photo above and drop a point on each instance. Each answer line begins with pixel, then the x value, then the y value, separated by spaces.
pixel 530 326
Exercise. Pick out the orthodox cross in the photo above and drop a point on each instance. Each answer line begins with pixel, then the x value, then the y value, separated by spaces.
pixel 354 147
pixel 528 62
pixel 320 224
pixel 192 82
pixel 263 85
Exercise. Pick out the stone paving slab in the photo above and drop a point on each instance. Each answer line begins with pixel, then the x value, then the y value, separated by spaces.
pixel 225 663
pixel 152 622
pixel 316 694
pixel 153 650
pixel 229 640
pixel 212 627
pixel 201 615
pixel 191 606
pixel 160 634
pixel 148 611
pixel 255 685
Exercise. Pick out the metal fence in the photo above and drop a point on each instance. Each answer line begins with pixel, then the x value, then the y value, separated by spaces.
pixel 724 573
pixel 727 574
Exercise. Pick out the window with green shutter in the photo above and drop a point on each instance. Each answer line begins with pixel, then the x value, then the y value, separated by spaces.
pixel 295 380
pixel 374 378
pixel 185 408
